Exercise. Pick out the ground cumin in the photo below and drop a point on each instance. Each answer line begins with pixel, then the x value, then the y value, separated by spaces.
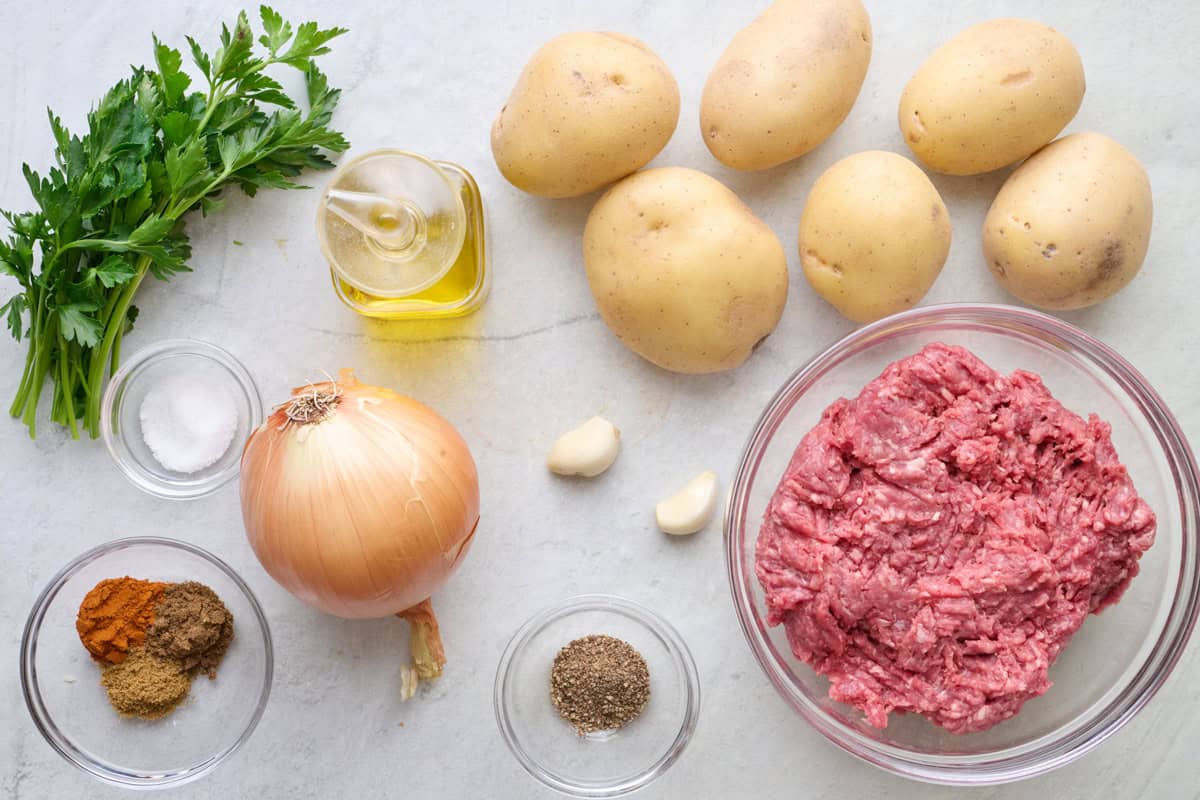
pixel 115 615
pixel 145 685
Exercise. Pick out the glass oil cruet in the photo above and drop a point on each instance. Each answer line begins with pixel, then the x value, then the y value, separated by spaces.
pixel 404 236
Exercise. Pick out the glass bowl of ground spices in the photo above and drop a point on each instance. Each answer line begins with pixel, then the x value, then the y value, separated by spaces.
pixel 146 662
pixel 597 696
pixel 175 415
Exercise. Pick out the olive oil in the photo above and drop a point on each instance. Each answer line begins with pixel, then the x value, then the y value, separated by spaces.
pixel 405 237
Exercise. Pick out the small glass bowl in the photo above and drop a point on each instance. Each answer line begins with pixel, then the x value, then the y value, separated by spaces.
pixel 605 763
pixel 1117 659
pixel 61 682
pixel 121 405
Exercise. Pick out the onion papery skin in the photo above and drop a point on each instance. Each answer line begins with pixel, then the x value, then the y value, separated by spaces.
pixel 366 512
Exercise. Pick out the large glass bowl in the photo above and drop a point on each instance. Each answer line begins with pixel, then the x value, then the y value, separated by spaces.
pixel 62 687
pixel 1116 661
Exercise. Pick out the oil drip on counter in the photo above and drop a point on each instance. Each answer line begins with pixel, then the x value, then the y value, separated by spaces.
pixel 151 638
pixel 599 683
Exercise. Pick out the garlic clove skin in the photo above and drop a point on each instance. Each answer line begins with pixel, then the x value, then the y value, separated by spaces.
pixel 691 508
pixel 587 450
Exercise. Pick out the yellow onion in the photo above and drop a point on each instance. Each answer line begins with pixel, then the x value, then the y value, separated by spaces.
pixel 361 502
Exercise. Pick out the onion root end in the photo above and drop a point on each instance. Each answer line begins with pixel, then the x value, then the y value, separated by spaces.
pixel 428 657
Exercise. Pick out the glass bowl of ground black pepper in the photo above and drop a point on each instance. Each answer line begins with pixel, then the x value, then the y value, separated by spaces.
pixel 146 662
pixel 597 696
pixel 175 415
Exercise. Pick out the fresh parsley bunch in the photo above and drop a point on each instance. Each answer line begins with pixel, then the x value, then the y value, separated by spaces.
pixel 111 210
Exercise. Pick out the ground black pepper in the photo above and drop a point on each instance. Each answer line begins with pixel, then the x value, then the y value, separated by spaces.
pixel 599 683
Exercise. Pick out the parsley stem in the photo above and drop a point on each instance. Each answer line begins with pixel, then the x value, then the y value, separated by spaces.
pixel 102 352
pixel 215 99
pixel 37 323
pixel 35 315
pixel 77 363
pixel 115 356
pixel 23 386
pixel 41 371
pixel 66 385
pixel 106 314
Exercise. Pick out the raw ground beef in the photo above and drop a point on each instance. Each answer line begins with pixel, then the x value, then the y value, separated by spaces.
pixel 936 541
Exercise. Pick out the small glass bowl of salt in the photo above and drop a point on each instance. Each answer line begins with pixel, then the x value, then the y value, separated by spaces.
pixel 175 415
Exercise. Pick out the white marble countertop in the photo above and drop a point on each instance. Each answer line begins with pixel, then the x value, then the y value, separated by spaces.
pixel 430 77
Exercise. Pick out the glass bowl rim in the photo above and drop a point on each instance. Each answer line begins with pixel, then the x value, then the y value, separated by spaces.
pixel 640 614
pixel 31 691
pixel 981 769
pixel 130 468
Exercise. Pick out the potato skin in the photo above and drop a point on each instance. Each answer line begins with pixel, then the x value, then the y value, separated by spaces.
pixel 1071 225
pixel 991 96
pixel 588 109
pixel 786 82
pixel 874 235
pixel 682 271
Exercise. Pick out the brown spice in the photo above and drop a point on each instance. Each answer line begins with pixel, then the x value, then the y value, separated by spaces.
pixel 114 616
pixel 144 685
pixel 599 683
pixel 191 626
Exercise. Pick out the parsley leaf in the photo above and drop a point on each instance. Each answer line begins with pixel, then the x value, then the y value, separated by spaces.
pixel 200 58
pixel 77 325
pixel 113 271
pixel 171 78
pixel 309 43
pixel 111 208
pixel 277 30
pixel 12 311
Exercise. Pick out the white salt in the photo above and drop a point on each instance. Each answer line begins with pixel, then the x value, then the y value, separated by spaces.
pixel 188 422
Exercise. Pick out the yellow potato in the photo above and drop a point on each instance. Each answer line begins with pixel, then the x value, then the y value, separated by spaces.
pixel 1071 225
pixel 588 109
pixel 874 235
pixel 991 96
pixel 682 271
pixel 785 82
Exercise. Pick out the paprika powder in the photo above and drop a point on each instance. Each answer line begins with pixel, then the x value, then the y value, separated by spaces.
pixel 115 615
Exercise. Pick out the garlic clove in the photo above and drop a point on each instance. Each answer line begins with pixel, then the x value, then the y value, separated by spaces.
pixel 691 508
pixel 587 450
